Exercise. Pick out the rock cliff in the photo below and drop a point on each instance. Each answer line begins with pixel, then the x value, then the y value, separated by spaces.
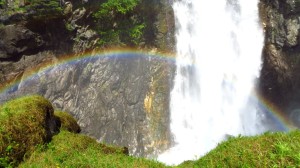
pixel 121 99
pixel 33 32
pixel 280 80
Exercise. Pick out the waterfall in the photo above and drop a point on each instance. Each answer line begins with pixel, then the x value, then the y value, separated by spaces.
pixel 219 47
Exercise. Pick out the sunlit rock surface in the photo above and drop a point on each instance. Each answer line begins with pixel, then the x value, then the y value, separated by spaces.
pixel 120 99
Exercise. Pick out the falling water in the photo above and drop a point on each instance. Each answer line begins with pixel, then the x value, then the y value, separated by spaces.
pixel 219 47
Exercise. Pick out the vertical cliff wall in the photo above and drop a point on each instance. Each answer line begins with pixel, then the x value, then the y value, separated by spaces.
pixel 280 79
pixel 33 33
pixel 121 99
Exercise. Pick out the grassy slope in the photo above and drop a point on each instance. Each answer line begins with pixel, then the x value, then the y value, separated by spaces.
pixel 22 130
pixel 24 133
pixel 75 150
pixel 268 150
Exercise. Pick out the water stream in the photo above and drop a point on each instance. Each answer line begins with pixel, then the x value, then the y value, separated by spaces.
pixel 219 46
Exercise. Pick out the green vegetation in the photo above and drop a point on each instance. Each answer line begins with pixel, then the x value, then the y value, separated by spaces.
pixel 25 142
pixel 68 123
pixel 43 9
pixel 116 6
pixel 1 26
pixel 2 2
pixel 119 23
pixel 73 150
pixel 23 133
pixel 69 26
pixel 268 150
pixel 22 126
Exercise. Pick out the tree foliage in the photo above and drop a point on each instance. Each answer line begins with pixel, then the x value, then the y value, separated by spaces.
pixel 44 7
pixel 2 2
pixel 112 7
pixel 119 23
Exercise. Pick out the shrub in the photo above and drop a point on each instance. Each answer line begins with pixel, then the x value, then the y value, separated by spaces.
pixel 119 23
pixel 44 9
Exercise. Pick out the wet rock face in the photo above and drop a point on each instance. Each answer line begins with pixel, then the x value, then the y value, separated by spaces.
pixel 280 79
pixel 122 100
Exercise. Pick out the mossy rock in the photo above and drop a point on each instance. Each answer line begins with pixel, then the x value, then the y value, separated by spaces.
pixel 67 122
pixel 24 123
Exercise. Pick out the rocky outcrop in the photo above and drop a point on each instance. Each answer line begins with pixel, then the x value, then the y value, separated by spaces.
pixel 119 99
pixel 16 40
pixel 280 79
pixel 161 19
pixel 42 33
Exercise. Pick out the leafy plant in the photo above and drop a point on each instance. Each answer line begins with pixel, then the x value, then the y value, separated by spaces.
pixel 42 8
pixel 2 2
pixel 282 148
pixel 113 7
pixel 119 23
pixel 69 27
pixel 136 33
pixel 5 162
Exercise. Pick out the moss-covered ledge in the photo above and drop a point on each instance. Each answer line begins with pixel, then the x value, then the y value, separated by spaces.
pixel 24 123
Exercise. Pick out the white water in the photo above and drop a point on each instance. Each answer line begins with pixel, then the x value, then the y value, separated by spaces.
pixel 219 44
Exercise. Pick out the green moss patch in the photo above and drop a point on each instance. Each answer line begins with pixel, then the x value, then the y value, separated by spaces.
pixel 24 123
pixel 75 150
pixel 27 123
pixel 67 122
pixel 268 150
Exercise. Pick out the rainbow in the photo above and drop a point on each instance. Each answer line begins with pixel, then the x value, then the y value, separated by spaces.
pixel 264 103
pixel 69 59
pixel 276 113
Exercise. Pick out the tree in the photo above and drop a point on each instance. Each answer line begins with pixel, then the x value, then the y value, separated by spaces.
pixel 119 23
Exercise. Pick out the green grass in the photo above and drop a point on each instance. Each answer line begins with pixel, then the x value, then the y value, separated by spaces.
pixel 24 139
pixel 75 150
pixel 67 122
pixel 268 150
pixel 24 135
